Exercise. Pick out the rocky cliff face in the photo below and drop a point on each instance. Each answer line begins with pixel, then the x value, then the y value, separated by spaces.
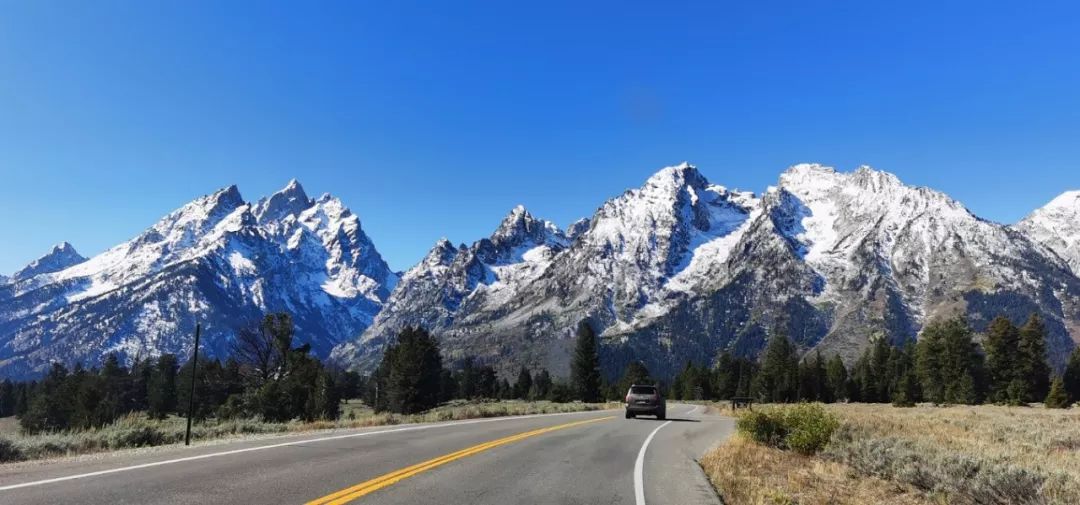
pixel 681 268
pixel 218 260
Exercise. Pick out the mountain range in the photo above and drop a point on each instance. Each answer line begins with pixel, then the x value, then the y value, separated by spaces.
pixel 678 269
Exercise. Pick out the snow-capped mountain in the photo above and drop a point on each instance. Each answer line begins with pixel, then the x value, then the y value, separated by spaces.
pixel 219 261
pixel 463 280
pixel 60 257
pixel 1057 226
pixel 681 268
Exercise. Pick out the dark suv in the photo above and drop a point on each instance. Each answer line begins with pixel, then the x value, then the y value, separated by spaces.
pixel 645 400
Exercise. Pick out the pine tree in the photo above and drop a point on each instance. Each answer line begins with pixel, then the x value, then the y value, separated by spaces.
pixel 949 366
pixel 161 392
pixel 904 391
pixel 542 385
pixel 7 398
pixel 1002 345
pixel 414 366
pixel 448 386
pixel 487 384
pixel 1057 398
pixel 50 407
pixel 837 378
pixel 777 381
pixel 523 384
pixel 585 367
pixel 1033 367
pixel 635 373
pixel 1071 379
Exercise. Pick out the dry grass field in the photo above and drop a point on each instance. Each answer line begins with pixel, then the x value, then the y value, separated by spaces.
pixel 136 430
pixel 925 454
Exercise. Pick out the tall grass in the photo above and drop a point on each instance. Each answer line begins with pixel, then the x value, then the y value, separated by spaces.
pixel 881 454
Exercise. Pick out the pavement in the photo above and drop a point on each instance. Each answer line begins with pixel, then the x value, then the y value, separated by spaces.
pixel 577 458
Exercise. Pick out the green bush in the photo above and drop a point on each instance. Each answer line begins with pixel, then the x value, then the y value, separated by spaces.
pixel 765 427
pixel 805 428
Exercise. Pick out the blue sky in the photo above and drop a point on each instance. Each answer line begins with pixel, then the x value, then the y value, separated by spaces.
pixel 435 120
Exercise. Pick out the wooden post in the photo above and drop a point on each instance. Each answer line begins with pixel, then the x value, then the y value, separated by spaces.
pixel 191 397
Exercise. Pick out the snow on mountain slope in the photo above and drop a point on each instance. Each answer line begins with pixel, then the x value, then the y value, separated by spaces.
pixel 60 257
pixel 681 268
pixel 900 254
pixel 450 282
pixel 631 261
pixel 217 260
pixel 1057 226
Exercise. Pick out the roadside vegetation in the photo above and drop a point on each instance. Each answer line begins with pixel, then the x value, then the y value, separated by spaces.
pixel 270 385
pixel 950 419
pixel 984 454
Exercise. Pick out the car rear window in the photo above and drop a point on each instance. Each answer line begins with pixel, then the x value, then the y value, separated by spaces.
pixel 643 390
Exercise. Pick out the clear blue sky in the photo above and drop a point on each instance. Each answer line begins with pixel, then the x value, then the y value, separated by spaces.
pixel 433 121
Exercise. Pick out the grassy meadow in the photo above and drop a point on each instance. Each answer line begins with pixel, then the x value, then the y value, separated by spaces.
pixel 922 455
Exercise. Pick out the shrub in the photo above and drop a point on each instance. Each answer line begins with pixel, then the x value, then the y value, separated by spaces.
pixel 809 427
pixel 805 428
pixel 9 451
pixel 763 427
pixel 959 478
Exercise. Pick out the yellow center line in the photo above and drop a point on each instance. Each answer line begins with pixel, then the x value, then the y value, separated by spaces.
pixel 351 493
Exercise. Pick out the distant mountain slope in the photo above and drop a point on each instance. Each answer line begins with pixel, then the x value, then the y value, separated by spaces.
pixel 217 260
pixel 1057 226
pixel 681 268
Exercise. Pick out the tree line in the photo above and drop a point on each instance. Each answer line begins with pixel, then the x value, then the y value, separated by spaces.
pixel 266 377
pixel 945 366
pixel 269 377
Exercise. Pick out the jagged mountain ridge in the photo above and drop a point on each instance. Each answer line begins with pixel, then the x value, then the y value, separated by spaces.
pixel 677 269
pixel 219 260
pixel 681 268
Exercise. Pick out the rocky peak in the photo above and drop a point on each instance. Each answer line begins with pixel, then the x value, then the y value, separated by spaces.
pixel 290 200
pixel 520 228
pixel 1056 225
pixel 61 256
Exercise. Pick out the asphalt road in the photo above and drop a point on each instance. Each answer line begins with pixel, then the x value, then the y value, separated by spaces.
pixel 580 458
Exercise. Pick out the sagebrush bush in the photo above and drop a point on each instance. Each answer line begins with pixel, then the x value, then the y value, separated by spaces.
pixel 805 428
pixel 9 451
pixel 960 478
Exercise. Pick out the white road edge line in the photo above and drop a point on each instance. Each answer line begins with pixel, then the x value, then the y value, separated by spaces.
pixel 639 467
pixel 414 427
pixel 639 464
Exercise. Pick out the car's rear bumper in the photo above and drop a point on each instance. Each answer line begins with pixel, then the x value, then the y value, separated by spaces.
pixel 644 408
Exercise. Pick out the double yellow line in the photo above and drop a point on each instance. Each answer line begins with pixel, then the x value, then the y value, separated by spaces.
pixel 351 493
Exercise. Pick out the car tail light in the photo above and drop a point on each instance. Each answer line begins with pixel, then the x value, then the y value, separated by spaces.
pixel 627 398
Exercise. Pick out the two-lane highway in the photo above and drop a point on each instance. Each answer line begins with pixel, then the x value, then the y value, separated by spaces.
pixel 589 457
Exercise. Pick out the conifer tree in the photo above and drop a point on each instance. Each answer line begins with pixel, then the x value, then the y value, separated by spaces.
pixel 1033 368
pixel 523 384
pixel 414 368
pixel 949 365
pixel 837 378
pixel 1056 398
pixel 7 398
pixel 777 381
pixel 1071 378
pixel 928 362
pixel 635 373
pixel 487 384
pixel 1002 346
pixel 542 385
pixel 585 366
pixel 904 391
pixel 161 391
